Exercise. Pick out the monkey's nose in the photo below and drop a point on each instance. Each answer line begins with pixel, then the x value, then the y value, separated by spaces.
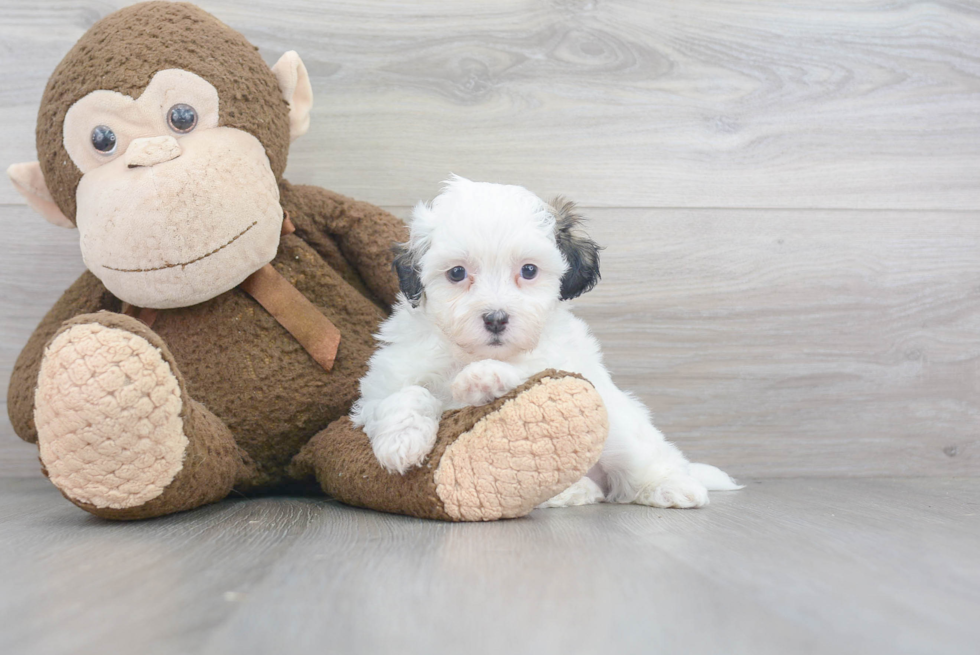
pixel 152 150
pixel 495 322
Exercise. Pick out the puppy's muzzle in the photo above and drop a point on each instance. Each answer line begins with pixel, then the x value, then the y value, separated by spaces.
pixel 495 322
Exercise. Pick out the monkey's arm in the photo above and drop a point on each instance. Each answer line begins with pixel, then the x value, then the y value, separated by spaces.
pixel 364 234
pixel 86 295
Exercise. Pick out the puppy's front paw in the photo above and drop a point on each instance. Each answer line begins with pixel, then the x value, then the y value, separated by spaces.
pixel 681 491
pixel 400 447
pixel 405 429
pixel 484 381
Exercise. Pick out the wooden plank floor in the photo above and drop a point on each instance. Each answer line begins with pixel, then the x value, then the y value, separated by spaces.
pixel 784 566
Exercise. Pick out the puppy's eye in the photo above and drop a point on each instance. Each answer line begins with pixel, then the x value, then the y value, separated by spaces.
pixel 529 271
pixel 104 139
pixel 182 118
pixel 456 274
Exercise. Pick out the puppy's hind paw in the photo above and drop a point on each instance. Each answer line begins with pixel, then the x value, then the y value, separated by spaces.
pixel 484 381
pixel 681 491
pixel 583 492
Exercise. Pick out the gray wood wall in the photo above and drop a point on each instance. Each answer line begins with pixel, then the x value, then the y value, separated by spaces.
pixel 787 192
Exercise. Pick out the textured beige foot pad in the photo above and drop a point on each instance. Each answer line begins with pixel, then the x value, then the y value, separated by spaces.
pixel 491 462
pixel 108 411
pixel 530 449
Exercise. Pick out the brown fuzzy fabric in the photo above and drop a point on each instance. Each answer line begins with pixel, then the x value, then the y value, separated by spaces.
pixel 237 360
pixel 354 237
pixel 248 370
pixel 122 52
pixel 345 466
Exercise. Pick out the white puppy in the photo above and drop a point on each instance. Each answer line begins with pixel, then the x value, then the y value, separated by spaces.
pixel 483 278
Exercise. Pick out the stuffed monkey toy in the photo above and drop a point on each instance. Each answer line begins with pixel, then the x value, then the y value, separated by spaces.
pixel 216 340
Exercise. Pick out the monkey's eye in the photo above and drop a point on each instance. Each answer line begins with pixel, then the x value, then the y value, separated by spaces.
pixel 182 118
pixel 104 139
pixel 529 271
pixel 456 274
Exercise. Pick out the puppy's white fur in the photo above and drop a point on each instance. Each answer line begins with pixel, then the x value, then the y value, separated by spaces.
pixel 437 352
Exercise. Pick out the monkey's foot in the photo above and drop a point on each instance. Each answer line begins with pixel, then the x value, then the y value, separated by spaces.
pixel 117 432
pixel 491 462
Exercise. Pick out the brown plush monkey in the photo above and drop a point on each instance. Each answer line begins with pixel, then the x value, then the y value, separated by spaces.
pixel 199 353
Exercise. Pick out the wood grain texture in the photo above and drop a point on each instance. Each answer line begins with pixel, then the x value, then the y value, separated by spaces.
pixel 770 343
pixel 784 566
pixel 776 343
pixel 867 104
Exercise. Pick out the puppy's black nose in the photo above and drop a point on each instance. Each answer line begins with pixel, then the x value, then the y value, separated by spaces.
pixel 495 322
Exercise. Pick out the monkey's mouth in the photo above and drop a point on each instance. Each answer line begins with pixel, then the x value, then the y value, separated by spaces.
pixel 189 262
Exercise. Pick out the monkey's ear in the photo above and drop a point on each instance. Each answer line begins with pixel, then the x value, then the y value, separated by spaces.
pixel 29 182
pixel 294 82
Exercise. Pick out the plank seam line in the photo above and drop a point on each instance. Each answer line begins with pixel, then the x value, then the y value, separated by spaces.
pixel 905 210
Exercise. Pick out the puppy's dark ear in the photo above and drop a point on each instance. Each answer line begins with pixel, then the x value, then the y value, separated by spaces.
pixel 580 252
pixel 408 274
